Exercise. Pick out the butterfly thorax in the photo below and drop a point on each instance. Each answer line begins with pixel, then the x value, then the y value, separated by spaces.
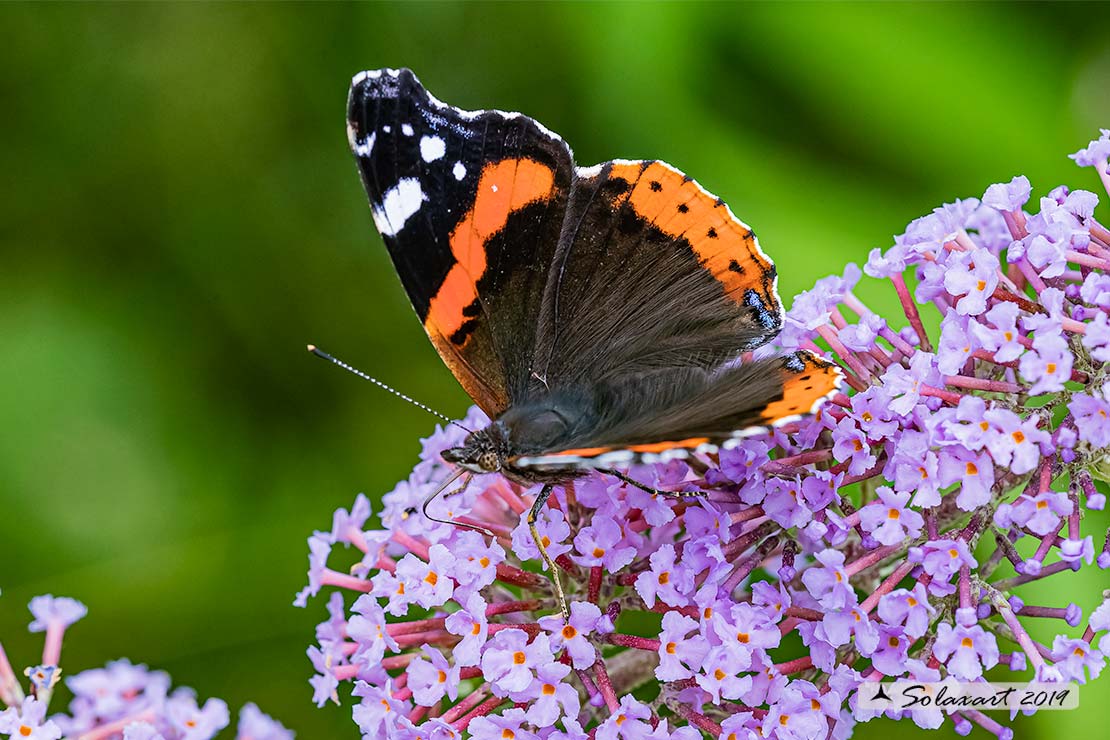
pixel 544 425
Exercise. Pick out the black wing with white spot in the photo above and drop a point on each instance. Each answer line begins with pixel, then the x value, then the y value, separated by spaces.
pixel 470 205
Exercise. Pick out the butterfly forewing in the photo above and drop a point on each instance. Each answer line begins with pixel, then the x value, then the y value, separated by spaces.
pixel 470 205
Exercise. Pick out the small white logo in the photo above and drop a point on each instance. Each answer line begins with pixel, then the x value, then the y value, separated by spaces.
pixel 952 696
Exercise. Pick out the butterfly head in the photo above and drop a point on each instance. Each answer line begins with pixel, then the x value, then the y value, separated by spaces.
pixel 483 451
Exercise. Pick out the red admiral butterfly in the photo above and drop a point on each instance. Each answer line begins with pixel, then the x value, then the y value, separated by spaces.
pixel 596 314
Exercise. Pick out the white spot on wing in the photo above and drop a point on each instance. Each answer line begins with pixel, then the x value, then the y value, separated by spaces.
pixel 366 146
pixel 406 129
pixel 459 171
pixel 387 129
pixel 398 205
pixel 432 148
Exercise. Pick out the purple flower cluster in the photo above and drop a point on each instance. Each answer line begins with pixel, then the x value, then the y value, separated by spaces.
pixel 888 535
pixel 121 700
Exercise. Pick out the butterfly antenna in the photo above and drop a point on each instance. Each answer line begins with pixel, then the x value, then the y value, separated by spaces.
pixel 354 370
pixel 462 525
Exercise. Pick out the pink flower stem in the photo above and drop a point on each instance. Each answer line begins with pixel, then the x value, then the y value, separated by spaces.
pixel 910 309
pixel 1095 248
pixel 349 671
pixel 391 663
pixel 1007 613
pixel 1087 260
pixel 52 647
pixel 10 691
pixel 1006 549
pixel 465 705
pixel 880 356
pixel 1043 612
pixel 330 577
pixel 500 530
pixel 1098 231
pixel 886 586
pixel 1075 327
pixel 865 475
pixel 746 566
pixel 793 666
pixel 802 458
pixel 848 356
pixel 801 612
pixel 593 589
pixel 1073 518
pixel 1022 302
pixel 874 557
pixel 746 540
pixel 1100 166
pixel 510 574
pixel 786 626
pixel 1045 547
pixel 417 625
pixel 744 515
pixel 357 538
pixel 480 711
pixel 510 497
pixel 1030 274
pixel 896 341
pixel 432 637
pixel 947 396
pixel 633 641
pixel 116 728
pixel 1015 222
pixel 931 523
pixel 509 607
pixel 699 720
pixel 605 686
pixel 1048 570
pixel 586 681
pixel 965 587
pixel 531 628
pixel 386 563
pixel 418 548
pixel 983 384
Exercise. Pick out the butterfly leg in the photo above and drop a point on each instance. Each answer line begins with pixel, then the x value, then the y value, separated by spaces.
pixel 533 515
pixel 649 489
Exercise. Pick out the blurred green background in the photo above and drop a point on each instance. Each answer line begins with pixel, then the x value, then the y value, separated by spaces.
pixel 181 215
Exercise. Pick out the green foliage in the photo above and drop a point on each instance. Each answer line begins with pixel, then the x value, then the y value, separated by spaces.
pixel 182 215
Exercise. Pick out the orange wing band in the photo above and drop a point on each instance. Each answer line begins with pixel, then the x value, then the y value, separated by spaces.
pixel 803 390
pixel 504 187
pixel 679 207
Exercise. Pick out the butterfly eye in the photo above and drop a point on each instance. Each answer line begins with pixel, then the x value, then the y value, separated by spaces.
pixel 488 461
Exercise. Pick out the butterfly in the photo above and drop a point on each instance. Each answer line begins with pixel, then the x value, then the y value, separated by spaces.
pixel 598 315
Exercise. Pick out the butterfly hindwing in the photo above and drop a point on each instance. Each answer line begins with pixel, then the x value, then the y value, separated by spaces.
pixel 671 414
pixel 470 205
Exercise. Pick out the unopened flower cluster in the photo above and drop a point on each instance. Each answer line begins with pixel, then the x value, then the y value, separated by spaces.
pixel 887 536
pixel 120 701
